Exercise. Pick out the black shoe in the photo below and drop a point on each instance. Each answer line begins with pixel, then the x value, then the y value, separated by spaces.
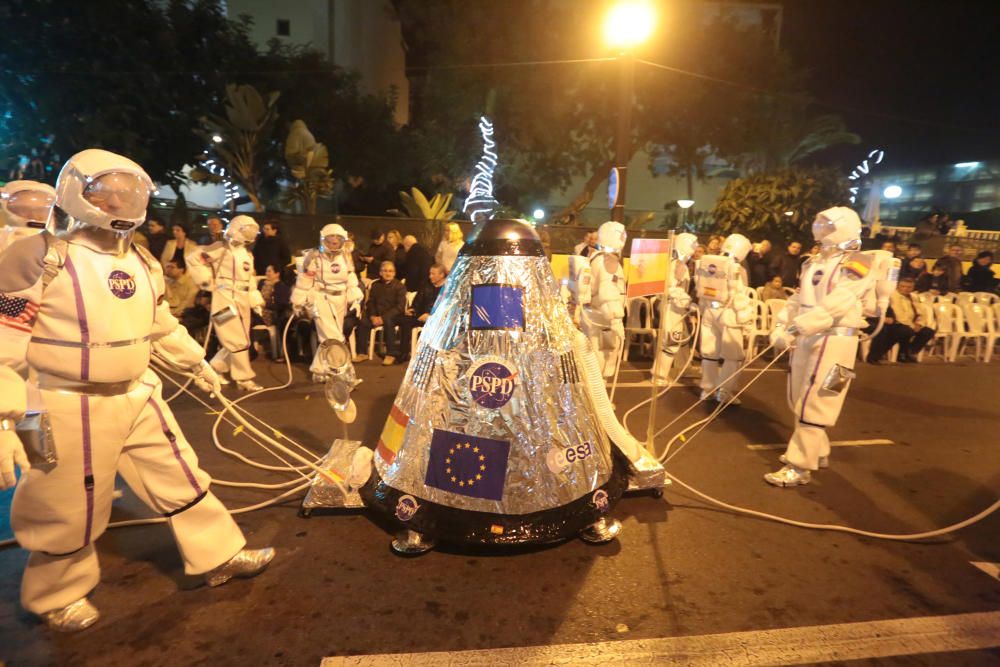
pixel 907 359
pixel 403 359
pixel 873 361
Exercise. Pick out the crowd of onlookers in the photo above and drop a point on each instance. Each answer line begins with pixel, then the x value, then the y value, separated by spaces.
pixel 401 279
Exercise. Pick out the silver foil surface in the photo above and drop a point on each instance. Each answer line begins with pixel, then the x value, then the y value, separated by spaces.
pixel 548 419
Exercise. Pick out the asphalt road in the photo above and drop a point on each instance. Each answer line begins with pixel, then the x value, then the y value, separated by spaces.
pixel 681 568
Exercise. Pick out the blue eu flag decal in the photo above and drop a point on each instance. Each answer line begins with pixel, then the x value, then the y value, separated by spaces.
pixel 497 307
pixel 468 465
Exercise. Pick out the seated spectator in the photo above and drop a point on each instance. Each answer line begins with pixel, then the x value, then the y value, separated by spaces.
pixel 935 282
pixel 277 303
pixel 914 269
pixel 423 303
pixel 156 236
pixel 980 277
pixel 180 290
pixel 196 318
pixel 788 265
pixel 587 246
pixel 179 247
pixel 395 241
pixel 416 264
pixel 773 290
pixel 757 263
pixel 380 251
pixel 270 249
pixel 902 327
pixel 714 245
pixel 214 234
pixel 385 305
pixel 890 247
pixel 952 265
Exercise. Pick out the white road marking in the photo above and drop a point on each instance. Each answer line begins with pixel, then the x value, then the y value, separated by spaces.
pixel 992 569
pixel 787 646
pixel 835 443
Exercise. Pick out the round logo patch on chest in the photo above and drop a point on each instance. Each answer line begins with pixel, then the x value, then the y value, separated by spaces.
pixel 712 268
pixel 121 284
pixel 817 277
pixel 491 383
pixel 335 268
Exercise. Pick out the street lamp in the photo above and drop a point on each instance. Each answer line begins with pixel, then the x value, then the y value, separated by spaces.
pixel 628 24
pixel 686 204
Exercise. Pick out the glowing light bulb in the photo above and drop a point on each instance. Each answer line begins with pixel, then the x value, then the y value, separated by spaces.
pixel 629 24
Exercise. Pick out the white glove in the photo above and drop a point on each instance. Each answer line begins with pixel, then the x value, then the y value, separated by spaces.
pixel 11 454
pixel 679 299
pixel 207 379
pixel 782 339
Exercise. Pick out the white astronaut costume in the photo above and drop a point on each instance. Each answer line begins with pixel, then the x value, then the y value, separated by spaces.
pixel 725 310
pixel 81 314
pixel 675 307
pixel 825 317
pixel 25 207
pixel 600 285
pixel 326 287
pixel 226 268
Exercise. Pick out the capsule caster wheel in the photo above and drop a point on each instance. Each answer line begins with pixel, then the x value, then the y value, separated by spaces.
pixel 305 513
pixel 411 543
pixel 601 531
pixel 657 493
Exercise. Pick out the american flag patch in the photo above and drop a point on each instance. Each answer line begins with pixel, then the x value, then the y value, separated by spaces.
pixel 17 313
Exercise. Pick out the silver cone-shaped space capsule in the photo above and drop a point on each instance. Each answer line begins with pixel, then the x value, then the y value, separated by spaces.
pixel 493 437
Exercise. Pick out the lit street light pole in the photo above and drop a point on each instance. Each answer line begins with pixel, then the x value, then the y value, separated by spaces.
pixel 623 135
pixel 628 24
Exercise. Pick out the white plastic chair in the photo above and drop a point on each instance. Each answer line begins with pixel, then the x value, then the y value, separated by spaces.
pixel 948 318
pixel 923 297
pixel 978 329
pixel 964 298
pixel 987 298
pixel 638 324
pixel 761 327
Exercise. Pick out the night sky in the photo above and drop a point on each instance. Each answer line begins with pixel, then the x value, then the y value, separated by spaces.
pixel 934 64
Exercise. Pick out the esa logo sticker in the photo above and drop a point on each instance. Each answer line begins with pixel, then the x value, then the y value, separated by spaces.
pixel 817 277
pixel 600 500
pixel 491 382
pixel 559 460
pixel 246 267
pixel 335 267
pixel 121 284
pixel 406 507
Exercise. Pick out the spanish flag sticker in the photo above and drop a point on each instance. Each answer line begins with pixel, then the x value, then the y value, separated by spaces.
pixel 857 268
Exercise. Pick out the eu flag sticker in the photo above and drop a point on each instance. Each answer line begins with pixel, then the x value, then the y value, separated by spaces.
pixel 467 465
pixel 497 307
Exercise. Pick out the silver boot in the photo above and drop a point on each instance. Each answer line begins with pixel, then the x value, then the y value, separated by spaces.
pixel 729 397
pixel 247 563
pixel 788 476
pixel 73 617
pixel 824 461
pixel 248 385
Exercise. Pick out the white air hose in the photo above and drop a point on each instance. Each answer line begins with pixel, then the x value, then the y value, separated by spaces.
pixel 587 360
pixel 673 383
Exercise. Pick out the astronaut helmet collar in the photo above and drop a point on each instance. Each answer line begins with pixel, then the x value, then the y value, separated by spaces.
pixel 26 204
pixel 611 236
pixel 101 189
pixel 837 228
pixel 736 246
pixel 332 237
pixel 241 230
pixel 684 246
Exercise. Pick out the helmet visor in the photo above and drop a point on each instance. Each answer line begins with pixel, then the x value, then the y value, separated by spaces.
pixel 32 205
pixel 333 242
pixel 823 227
pixel 119 194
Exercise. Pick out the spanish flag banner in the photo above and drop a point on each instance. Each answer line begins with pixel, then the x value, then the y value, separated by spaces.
pixel 648 267
pixel 392 435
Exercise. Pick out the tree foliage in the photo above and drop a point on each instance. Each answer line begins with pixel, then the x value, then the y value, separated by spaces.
pixel 131 77
pixel 308 161
pixel 759 205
